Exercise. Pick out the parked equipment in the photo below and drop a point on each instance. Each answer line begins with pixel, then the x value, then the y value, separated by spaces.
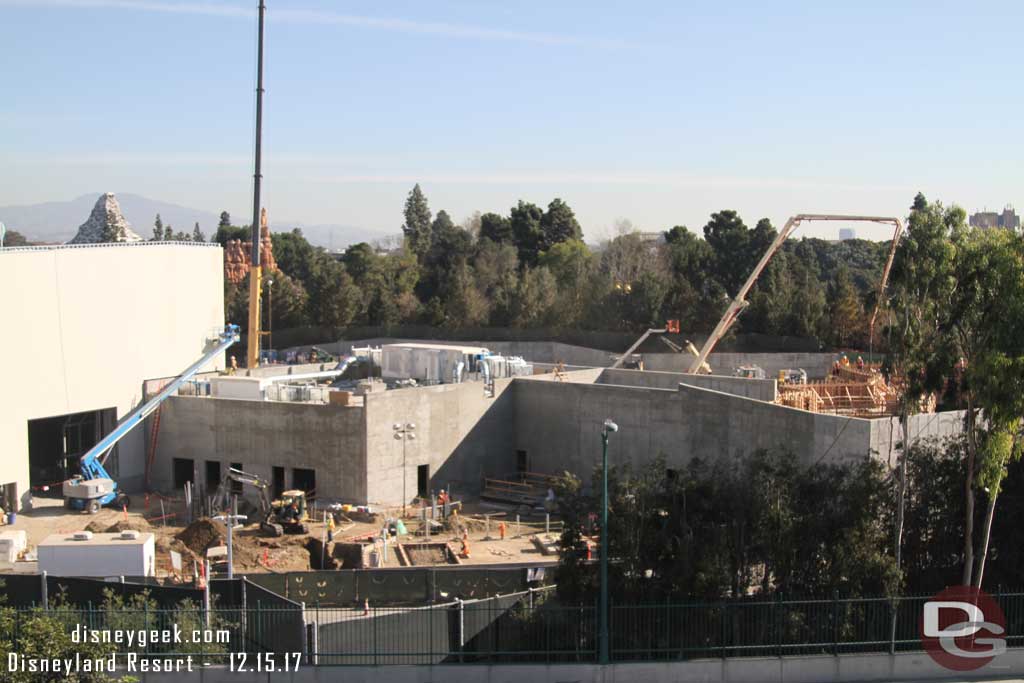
pixel 93 487
pixel 286 515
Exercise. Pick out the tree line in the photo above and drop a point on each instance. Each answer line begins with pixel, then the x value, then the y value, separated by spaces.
pixel 768 523
pixel 531 268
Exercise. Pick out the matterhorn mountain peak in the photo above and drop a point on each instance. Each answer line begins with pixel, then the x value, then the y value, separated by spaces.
pixel 106 223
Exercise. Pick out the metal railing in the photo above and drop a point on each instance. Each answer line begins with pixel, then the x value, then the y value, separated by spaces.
pixel 524 627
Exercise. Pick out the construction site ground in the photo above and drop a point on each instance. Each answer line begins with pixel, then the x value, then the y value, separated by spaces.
pixel 254 552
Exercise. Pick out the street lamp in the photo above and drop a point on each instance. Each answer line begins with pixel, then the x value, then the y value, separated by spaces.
pixel 607 429
pixel 270 314
pixel 405 433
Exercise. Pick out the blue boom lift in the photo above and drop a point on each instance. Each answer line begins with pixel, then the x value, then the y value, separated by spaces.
pixel 94 488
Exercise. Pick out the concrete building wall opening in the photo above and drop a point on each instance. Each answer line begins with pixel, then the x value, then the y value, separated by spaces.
pixel 56 444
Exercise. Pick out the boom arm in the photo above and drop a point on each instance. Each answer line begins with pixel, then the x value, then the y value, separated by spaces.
pixel 740 302
pixel 92 467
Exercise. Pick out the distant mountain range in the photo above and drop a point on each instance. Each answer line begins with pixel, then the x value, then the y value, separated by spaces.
pixel 58 221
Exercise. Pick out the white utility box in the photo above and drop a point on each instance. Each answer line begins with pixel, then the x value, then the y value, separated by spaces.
pixel 128 553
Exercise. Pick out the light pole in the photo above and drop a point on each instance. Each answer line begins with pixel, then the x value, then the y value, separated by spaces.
pixel 404 433
pixel 270 314
pixel 230 519
pixel 609 427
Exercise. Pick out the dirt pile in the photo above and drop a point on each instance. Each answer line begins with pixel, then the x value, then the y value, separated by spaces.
pixel 136 524
pixel 201 535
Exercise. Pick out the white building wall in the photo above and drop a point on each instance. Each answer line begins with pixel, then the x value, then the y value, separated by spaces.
pixel 84 326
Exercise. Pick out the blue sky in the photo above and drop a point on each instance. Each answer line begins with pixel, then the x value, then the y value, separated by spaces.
pixel 656 112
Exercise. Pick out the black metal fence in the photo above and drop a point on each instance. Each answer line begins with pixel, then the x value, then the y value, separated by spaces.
pixel 526 628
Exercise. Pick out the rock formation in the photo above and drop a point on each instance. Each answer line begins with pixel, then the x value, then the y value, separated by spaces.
pixel 106 224
pixel 238 254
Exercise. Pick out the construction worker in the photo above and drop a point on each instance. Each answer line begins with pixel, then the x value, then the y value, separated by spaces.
pixel 234 366
pixel 845 361
pixel 330 528
pixel 442 501
pixel 501 530
pixel 464 552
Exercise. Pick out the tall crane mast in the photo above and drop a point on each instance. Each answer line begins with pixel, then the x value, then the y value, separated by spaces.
pixel 740 301
pixel 255 286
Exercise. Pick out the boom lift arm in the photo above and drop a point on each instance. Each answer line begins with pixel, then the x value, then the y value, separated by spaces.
pixel 740 302
pixel 94 487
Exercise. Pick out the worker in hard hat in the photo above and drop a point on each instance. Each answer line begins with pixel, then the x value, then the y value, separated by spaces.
pixel 860 363
pixel 442 501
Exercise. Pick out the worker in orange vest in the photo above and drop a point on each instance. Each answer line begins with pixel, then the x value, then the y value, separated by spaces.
pixel 501 530
pixel 464 552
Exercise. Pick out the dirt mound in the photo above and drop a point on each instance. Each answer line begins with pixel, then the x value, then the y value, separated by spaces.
pixel 201 535
pixel 136 524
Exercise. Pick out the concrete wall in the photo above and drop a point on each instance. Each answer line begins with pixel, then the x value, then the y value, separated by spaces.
pixel 817 365
pixel 461 435
pixel 761 389
pixel 887 432
pixel 559 425
pixel 84 326
pixel 328 439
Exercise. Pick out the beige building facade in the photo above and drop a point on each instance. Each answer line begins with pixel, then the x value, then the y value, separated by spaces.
pixel 83 327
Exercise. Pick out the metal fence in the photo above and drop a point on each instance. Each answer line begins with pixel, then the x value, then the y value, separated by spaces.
pixel 526 628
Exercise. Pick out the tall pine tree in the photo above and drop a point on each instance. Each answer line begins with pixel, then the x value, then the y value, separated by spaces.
pixel 417 222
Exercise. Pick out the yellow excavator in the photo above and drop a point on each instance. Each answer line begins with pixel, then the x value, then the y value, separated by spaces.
pixel 285 515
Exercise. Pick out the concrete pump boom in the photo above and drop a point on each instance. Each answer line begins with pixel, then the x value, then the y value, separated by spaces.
pixel 740 302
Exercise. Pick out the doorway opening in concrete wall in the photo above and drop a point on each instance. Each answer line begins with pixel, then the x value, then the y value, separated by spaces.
pixel 423 481
pixel 212 476
pixel 277 482
pixel 184 472
pixel 304 480
pixel 55 445
pixel 522 462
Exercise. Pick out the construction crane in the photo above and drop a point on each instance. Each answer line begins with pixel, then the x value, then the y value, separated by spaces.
pixel 740 302
pixel 94 487
pixel 286 515
pixel 255 269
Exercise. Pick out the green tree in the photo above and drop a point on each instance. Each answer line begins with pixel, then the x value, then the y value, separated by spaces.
pixel 496 269
pixel 417 222
pixel 13 238
pixel 534 297
pixel 359 260
pixel 168 233
pixel 846 314
pixel 984 317
pixel 197 234
pixel 225 220
pixel 920 288
pixel 158 230
pixel 559 224
pixel 527 231
pixel 334 299
pixel 572 266
pixel 496 228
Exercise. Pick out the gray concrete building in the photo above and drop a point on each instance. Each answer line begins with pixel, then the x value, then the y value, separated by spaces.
pixel 539 423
